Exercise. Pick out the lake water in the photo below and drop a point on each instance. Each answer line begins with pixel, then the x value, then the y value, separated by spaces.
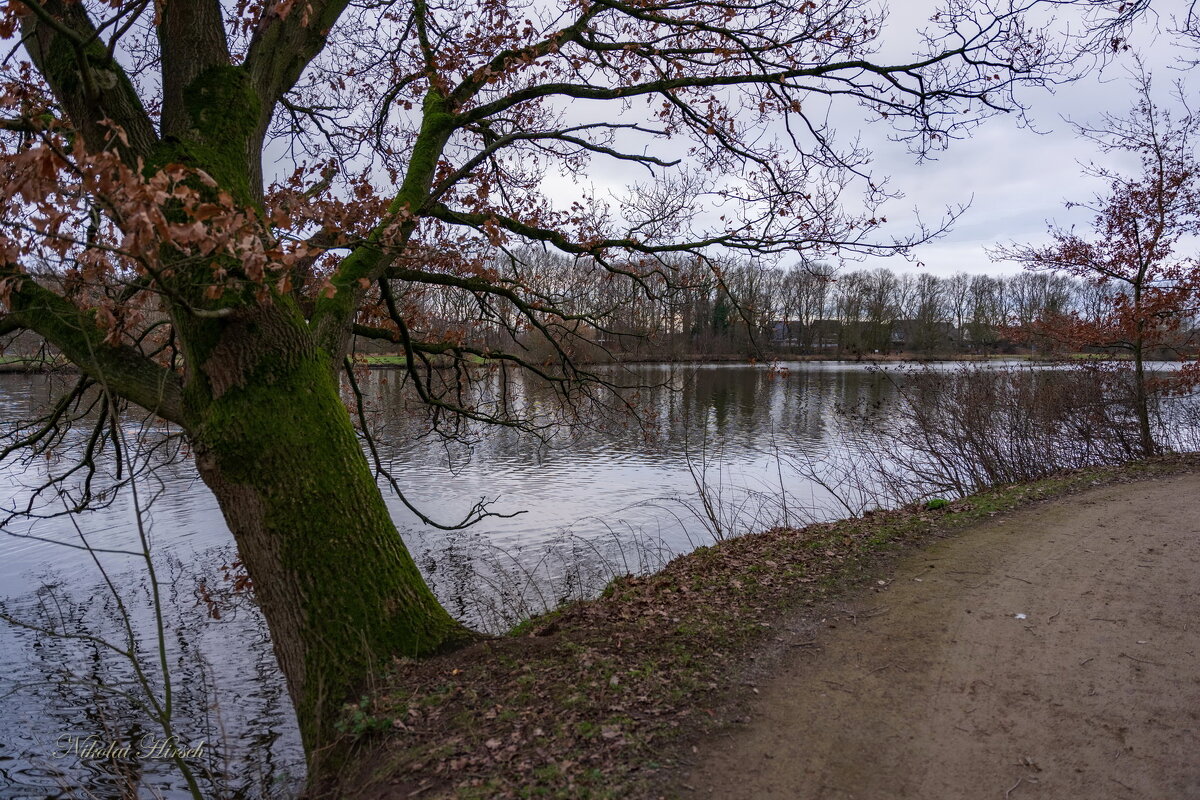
pixel 597 501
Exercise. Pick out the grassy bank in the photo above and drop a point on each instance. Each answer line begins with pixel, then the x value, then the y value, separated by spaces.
pixel 33 364
pixel 582 702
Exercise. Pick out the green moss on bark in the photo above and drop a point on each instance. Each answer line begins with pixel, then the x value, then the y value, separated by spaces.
pixel 63 68
pixel 223 108
pixel 344 596
pixel 222 104
pixel 437 124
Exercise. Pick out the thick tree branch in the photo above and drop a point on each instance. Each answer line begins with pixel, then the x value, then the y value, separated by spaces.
pixel 289 37
pixel 191 35
pixel 123 369
pixel 92 87
pixel 333 315
pixel 368 332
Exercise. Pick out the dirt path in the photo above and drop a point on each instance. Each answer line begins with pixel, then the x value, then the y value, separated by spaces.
pixel 937 687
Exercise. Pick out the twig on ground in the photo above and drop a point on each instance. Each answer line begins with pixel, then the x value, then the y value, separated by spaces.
pixel 1140 660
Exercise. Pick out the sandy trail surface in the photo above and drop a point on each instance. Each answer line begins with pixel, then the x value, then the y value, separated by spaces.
pixel 1052 653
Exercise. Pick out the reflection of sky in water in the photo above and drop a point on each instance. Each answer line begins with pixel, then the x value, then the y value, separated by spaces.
pixel 729 415
pixel 727 420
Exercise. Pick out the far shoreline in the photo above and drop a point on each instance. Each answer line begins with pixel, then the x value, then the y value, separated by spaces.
pixel 396 362
pixel 390 362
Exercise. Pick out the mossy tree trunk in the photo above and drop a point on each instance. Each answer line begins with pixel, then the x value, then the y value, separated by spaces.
pixel 275 443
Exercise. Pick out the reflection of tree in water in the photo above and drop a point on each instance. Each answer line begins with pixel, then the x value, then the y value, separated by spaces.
pixel 670 400
pixel 73 693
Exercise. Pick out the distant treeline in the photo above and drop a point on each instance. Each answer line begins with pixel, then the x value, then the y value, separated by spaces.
pixel 682 310
pixel 742 308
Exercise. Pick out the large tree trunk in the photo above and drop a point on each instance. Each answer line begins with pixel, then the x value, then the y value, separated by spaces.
pixel 275 443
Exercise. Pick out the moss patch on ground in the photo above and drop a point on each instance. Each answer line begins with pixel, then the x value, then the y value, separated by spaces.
pixel 583 702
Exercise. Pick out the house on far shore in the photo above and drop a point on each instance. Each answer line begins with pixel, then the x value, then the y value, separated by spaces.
pixel 819 335
pixel 916 334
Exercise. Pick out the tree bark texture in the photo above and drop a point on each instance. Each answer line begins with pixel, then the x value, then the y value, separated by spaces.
pixel 275 443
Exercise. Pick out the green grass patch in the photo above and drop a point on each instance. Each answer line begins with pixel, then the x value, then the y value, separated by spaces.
pixel 380 360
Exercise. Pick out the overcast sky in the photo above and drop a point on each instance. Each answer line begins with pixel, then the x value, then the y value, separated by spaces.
pixel 1015 179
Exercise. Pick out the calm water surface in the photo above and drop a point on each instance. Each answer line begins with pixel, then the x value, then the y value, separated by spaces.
pixel 603 499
